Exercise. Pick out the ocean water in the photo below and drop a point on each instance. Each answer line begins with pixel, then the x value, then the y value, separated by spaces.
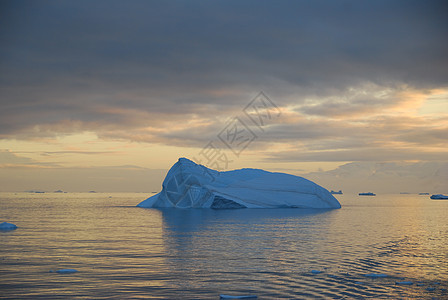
pixel 125 252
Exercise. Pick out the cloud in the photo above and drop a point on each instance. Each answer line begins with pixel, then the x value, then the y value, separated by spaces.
pixel 343 72
pixel 424 177
pixel 360 154
pixel 380 138
pixel 9 159
pixel 7 156
pixel 19 173
pixel 368 100
pixel 107 179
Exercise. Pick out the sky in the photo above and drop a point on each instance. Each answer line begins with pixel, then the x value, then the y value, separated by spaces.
pixel 107 95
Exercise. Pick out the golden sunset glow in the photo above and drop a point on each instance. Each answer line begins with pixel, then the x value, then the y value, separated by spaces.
pixel 100 106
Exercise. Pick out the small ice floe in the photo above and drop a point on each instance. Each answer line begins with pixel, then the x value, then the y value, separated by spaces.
pixel 7 226
pixel 404 282
pixel 316 271
pixel 64 271
pixel 420 284
pixel 367 194
pixel 238 297
pixel 374 275
pixel 439 197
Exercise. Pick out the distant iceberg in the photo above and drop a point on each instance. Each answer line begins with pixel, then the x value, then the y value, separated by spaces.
pixel 336 193
pixel 189 185
pixel 367 194
pixel 5 226
pixel 439 197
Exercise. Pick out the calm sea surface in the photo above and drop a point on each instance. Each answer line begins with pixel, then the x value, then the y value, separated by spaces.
pixel 125 252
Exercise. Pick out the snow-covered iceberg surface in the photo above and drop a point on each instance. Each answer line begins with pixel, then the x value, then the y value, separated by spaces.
pixel 189 185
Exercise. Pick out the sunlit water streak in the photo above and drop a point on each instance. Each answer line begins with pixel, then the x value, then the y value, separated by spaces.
pixel 124 252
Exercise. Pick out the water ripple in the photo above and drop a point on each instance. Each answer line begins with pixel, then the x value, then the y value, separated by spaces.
pixel 126 253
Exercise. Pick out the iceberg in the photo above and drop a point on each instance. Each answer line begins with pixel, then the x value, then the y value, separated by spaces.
pixel 5 226
pixel 336 193
pixel 64 271
pixel 189 185
pixel 237 297
pixel 439 197
pixel 375 275
pixel 367 194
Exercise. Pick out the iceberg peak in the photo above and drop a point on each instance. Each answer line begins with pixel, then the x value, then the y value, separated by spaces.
pixel 190 185
pixel 186 161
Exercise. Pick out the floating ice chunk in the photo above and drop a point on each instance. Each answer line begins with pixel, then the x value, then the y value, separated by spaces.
pixel 374 275
pixel 405 282
pixel 439 197
pixel 188 185
pixel 367 194
pixel 316 271
pixel 66 271
pixel 7 226
pixel 237 297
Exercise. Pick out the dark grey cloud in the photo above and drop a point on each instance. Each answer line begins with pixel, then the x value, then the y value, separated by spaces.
pixel 382 138
pixel 119 67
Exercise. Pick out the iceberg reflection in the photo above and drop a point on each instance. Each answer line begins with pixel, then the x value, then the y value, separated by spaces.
pixel 190 220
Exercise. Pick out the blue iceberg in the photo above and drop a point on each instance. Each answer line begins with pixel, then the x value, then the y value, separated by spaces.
pixel 376 275
pixel 367 194
pixel 189 185
pixel 439 197
pixel 237 297
pixel 5 226
pixel 64 271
